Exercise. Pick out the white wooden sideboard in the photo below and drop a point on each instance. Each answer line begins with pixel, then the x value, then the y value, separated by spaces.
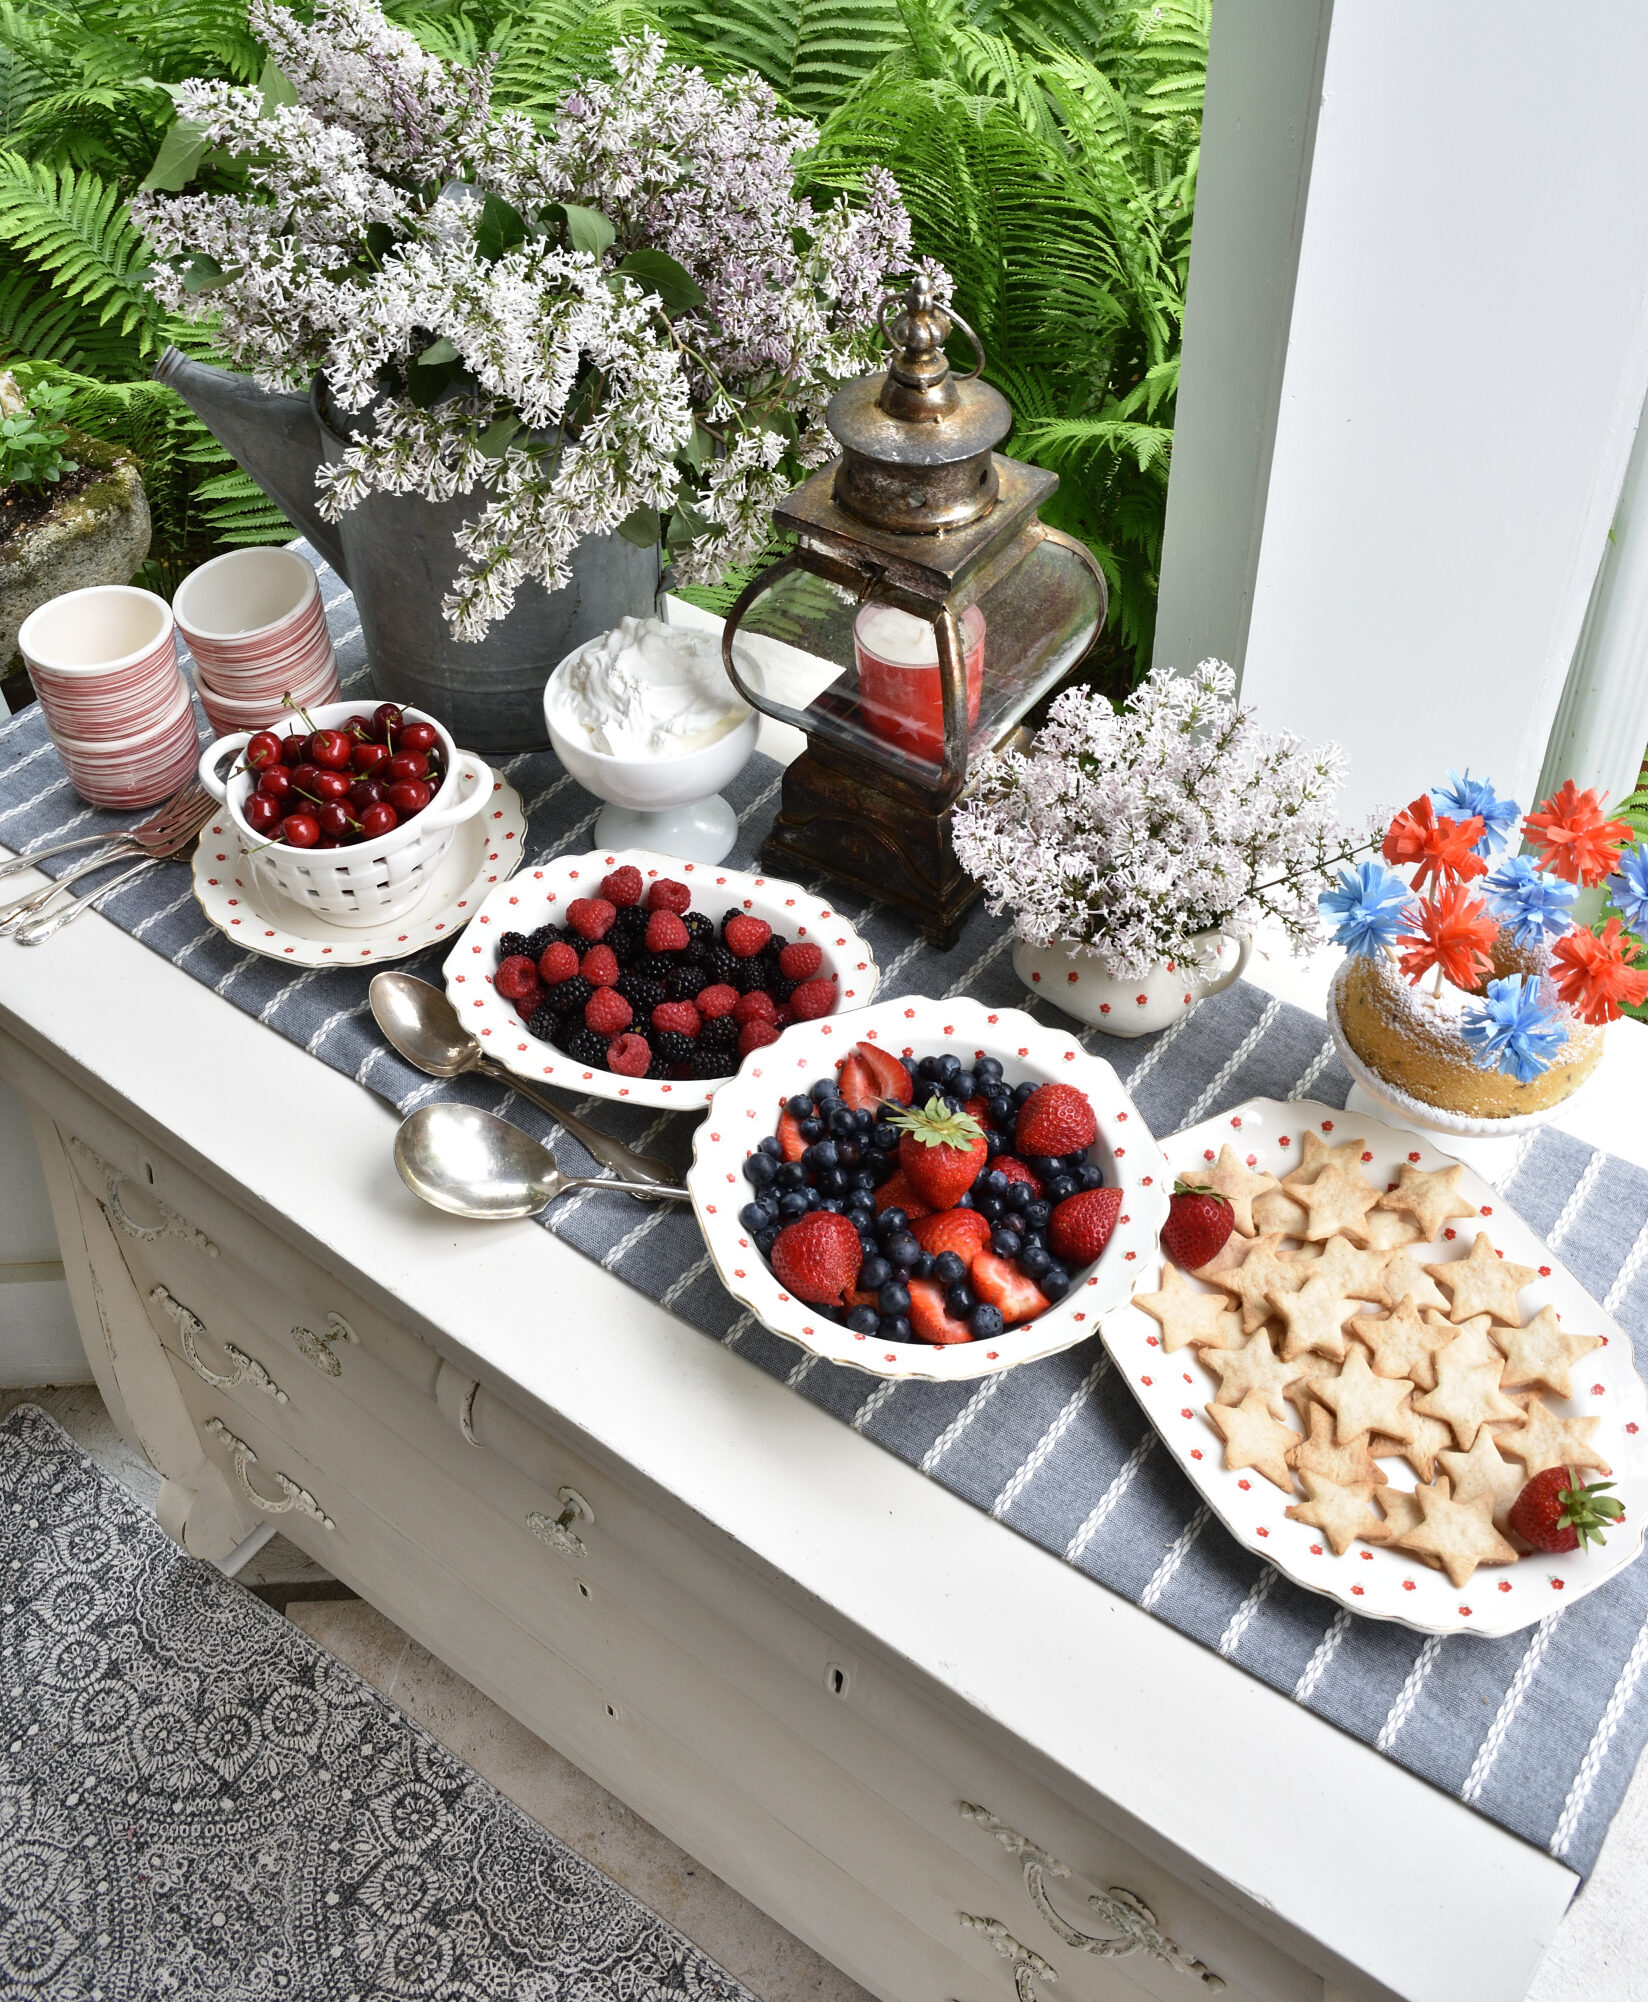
pixel 956 1767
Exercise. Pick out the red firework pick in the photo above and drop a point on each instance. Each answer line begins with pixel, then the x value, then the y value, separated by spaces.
pixel 1577 843
pixel 1442 848
pixel 1594 975
pixel 1455 933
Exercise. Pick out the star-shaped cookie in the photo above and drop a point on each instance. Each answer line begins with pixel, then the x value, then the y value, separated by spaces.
pixel 1548 1441
pixel 1314 1318
pixel 1253 1438
pixel 1253 1366
pixel 1483 1283
pixel 1341 1513
pixel 1484 1470
pixel 1279 1211
pixel 1543 1353
pixel 1352 1466
pixel 1460 1533
pixel 1337 1201
pixel 1403 1344
pixel 1403 1513
pixel 1386 1231
pixel 1402 1276
pixel 1315 1154
pixel 1363 1403
pixel 1233 1179
pixel 1430 1435
pixel 1360 1272
pixel 1429 1198
pixel 1187 1313
pixel 1467 1395
pixel 1264 1271
pixel 1298 1393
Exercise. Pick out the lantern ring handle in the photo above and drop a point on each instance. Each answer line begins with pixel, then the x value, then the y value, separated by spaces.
pixel 955 319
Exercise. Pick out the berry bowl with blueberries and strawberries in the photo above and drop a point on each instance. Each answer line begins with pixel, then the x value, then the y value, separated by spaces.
pixel 627 974
pixel 345 810
pixel 931 1189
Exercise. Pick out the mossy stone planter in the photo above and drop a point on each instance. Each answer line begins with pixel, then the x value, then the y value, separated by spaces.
pixel 99 535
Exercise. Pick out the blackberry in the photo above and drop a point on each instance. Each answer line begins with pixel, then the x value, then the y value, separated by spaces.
pixel 724 965
pixel 721 1036
pixel 670 1047
pixel 510 944
pixel 628 936
pixel 642 994
pixel 699 927
pixel 658 1068
pixel 751 977
pixel 656 965
pixel 584 1046
pixel 545 1024
pixel 774 946
pixel 569 996
pixel 539 942
pixel 695 953
pixel 683 982
pixel 781 989
pixel 706 1063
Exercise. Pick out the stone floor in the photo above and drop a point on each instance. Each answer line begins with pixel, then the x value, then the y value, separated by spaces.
pixel 1598 1955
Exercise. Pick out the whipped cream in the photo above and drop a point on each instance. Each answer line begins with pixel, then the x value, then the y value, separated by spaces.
pixel 645 690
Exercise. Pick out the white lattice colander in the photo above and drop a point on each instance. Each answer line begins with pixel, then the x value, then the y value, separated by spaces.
pixel 372 880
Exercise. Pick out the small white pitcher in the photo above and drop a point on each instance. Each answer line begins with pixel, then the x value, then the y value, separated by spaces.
pixel 1079 980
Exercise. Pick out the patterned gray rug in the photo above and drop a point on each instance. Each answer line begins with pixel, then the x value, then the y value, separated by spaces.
pixel 197 1801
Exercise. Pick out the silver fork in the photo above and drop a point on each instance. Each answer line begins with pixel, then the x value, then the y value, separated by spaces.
pixel 161 824
pixel 35 930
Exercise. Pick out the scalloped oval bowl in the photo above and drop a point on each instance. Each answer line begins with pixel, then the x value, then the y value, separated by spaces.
pixel 539 895
pixel 745 1110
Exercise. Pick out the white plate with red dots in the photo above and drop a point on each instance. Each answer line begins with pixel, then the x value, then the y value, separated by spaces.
pixel 540 896
pixel 485 851
pixel 1383 1583
pixel 745 1110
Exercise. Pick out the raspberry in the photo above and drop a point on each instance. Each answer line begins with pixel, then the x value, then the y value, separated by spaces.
pixel 665 931
pixel 591 917
pixel 559 963
pixel 745 935
pixel 584 1046
pixel 800 961
pixel 629 1055
pixel 512 945
pixel 812 999
pixel 666 895
pixel 599 965
pixel 679 1016
pixel 529 1007
pixel 672 1047
pixel 569 996
pixel 517 978
pixel 785 1016
pixel 755 1036
pixel 699 927
pixel 623 887
pixel 643 995
pixel 754 1008
pixel 717 1000
pixel 606 1012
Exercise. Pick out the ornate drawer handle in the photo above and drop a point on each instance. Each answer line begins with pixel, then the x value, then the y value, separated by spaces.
pixel 170 1225
pixel 1133 1923
pixel 317 1348
pixel 1028 1965
pixel 294 1497
pixel 557 1530
pixel 247 1369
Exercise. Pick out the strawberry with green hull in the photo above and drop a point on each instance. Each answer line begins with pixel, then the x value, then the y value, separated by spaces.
pixel 940 1151
pixel 1556 1513
pixel 1198 1226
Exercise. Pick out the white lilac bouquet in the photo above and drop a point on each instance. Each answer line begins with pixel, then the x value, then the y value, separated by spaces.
pixel 628 321
pixel 1468 890
pixel 1132 831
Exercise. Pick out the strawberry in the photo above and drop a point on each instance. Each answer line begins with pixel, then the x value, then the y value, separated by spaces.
pixel 801 960
pixel 1004 1286
pixel 599 966
pixel 1055 1119
pixel 756 1035
pixel 681 1016
pixel 1198 1222
pixel 591 917
pixel 560 962
pixel 856 1085
pixel 665 931
pixel 891 1078
pixel 716 1001
pixel 898 1193
pixel 1553 1512
pixel 812 999
pixel 1079 1229
pixel 516 978
pixel 789 1136
pixel 940 1151
pixel 629 1055
pixel 964 1232
pixel 606 1012
pixel 745 936
pixel 666 895
pixel 817 1257
pixel 623 886
pixel 929 1318
pixel 1016 1171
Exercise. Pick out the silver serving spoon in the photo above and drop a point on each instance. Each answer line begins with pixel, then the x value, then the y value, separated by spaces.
pixel 471 1163
pixel 423 1025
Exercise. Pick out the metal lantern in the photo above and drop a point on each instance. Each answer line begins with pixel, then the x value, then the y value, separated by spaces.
pixel 924 612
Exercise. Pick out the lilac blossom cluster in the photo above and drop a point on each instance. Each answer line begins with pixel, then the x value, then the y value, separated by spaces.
pixel 582 395
pixel 1134 831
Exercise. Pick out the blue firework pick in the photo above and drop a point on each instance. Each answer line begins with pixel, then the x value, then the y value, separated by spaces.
pixel 1370 908
pixel 1628 888
pixel 1533 907
pixel 1463 796
pixel 1516 1028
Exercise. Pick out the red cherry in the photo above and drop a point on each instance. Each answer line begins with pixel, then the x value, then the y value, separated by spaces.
pixel 262 751
pixel 300 830
pixel 409 797
pixel 294 750
pixel 358 727
pixel 329 841
pixel 364 793
pixel 406 765
pixel 335 818
pixel 386 722
pixel 418 737
pixel 331 748
pixel 378 820
pixel 304 776
pixel 276 784
pixel 261 813
pixel 367 757
pixel 330 785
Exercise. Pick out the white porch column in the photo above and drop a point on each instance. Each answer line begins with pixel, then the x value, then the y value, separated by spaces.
pixel 1394 532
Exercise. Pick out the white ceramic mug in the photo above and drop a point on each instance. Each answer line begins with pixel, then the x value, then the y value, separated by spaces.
pixel 1080 982
pixel 256 625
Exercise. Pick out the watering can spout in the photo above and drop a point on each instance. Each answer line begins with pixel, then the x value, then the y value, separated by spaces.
pixel 269 434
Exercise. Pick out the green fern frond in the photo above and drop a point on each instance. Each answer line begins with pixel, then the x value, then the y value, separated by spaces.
pixel 810 51
pixel 551 43
pixel 72 229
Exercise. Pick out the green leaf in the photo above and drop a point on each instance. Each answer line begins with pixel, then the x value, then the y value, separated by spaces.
pixel 686 524
pixel 276 87
pixel 642 527
pixel 203 274
pixel 380 240
pixel 181 152
pixel 588 229
pixel 437 351
pixel 502 229
pixel 494 440
pixel 654 271
pixel 699 450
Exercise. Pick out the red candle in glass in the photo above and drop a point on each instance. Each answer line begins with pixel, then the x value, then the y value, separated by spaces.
pixel 898 677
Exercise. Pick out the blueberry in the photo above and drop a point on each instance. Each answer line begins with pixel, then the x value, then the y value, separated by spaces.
pixel 996 1182
pixel 832 1203
pixel 815 1198
pixel 960 1301
pixel 799 1107
pixel 812 1129
pixel 948 1267
pixel 1023 1091
pixel 883 1136
pixel 893 1297
pixel 1019 1197
pixel 1034 1260
pixel 765 1240
pixel 965 1200
pixel 874 1272
pixel 847 1153
pixel 823 1088
pixel 822 1154
pixel 986 1322
pixel 987 1069
pixel 1006 1244
pixel 895 1328
pixel 923 1267
pixel 1030 1238
pixel 841 1120
pixel 863 1178
pixel 995 1142
pixel 1090 1175
pixel 989 1207
pixel 863 1320
pixel 890 1223
pixel 1055 1282
pixel 903 1249
pixel 1036 1214
pixel 1043 1166
pixel 863 1119
pixel 927 1067
pixel 759 1171
pixel 1001 1110
pixel 773 1147
pixel 756 1216
pixel 833 1182
pixel 791 1176
pixel 948 1068
pixel 1060 1187
pixel 964 1086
